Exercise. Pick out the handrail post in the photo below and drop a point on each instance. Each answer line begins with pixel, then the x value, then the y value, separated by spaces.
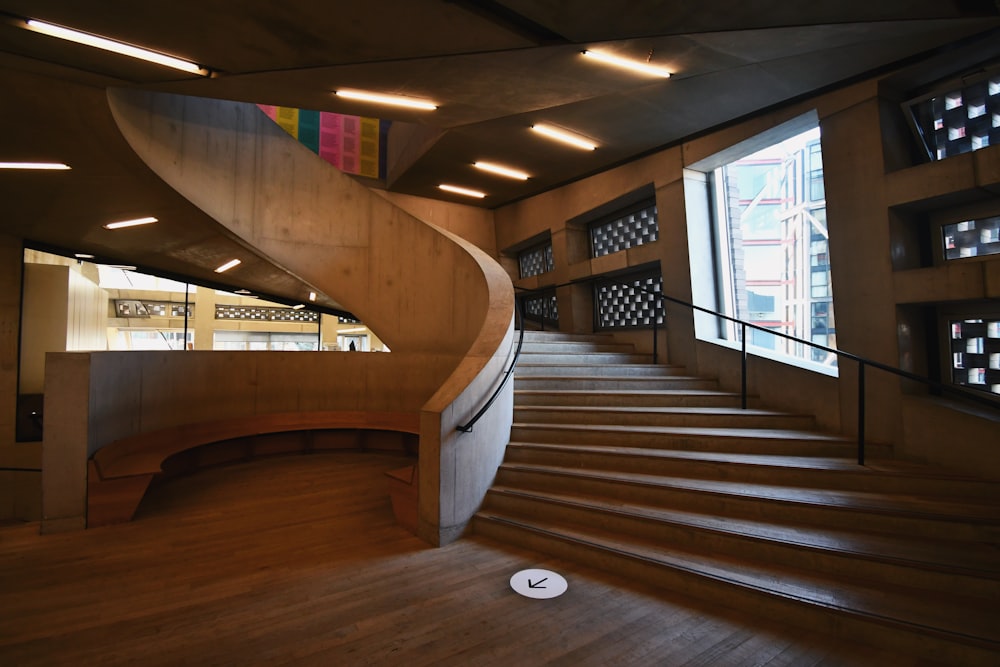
pixel 861 412
pixel 743 365
pixel 654 337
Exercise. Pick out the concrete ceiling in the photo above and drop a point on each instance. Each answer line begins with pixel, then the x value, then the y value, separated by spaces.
pixel 493 67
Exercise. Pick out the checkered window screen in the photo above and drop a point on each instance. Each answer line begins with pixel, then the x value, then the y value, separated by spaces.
pixel 625 231
pixel 629 302
pixel 264 314
pixel 535 261
pixel 542 308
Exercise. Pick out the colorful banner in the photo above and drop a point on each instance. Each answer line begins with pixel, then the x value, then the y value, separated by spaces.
pixel 353 144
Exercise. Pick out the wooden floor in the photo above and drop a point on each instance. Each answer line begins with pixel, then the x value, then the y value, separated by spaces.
pixel 297 560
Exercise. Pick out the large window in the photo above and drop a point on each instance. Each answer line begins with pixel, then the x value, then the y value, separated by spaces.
pixel 629 301
pixel 960 118
pixel 772 245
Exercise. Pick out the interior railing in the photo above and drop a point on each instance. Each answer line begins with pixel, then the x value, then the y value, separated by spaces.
pixel 863 363
pixel 467 427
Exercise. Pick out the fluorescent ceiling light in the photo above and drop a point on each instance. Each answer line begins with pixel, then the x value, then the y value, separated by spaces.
pixel 312 296
pixel 115 47
pixel 243 291
pixel 228 265
pixel 394 100
pixel 625 63
pixel 83 255
pixel 130 223
pixel 53 166
pixel 565 137
pixel 501 170
pixel 462 191
pixel 299 306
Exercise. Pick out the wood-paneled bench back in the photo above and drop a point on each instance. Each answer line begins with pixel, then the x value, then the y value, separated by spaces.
pixel 119 473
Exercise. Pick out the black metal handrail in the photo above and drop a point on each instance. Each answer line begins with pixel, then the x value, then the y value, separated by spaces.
pixel 466 428
pixel 861 361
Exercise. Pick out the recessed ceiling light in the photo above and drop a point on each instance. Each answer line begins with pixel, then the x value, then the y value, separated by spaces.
pixel 501 170
pixel 83 255
pixel 462 191
pixel 312 296
pixel 121 48
pixel 299 306
pixel 625 63
pixel 393 100
pixel 565 137
pixel 228 265
pixel 49 166
pixel 130 223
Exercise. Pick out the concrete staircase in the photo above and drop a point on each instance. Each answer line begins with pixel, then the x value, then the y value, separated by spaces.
pixel 641 470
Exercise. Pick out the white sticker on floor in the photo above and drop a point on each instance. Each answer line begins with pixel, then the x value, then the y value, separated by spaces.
pixel 538 584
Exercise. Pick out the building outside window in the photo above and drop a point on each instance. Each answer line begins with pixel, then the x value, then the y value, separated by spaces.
pixel 773 247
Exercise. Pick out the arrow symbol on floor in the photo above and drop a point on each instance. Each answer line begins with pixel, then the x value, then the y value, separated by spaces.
pixel 538 584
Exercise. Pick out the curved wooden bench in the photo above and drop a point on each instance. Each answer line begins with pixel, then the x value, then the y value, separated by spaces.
pixel 120 472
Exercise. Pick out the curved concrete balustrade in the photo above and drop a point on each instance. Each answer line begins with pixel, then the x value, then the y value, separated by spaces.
pixel 444 306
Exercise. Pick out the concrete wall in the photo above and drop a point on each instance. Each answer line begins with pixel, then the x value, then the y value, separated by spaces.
pixel 423 290
pixel 863 203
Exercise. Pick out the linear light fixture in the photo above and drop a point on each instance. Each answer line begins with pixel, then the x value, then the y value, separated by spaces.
pixel 121 48
pixel 625 63
pixel 83 255
pixel 462 191
pixel 243 291
pixel 298 306
pixel 228 265
pixel 501 170
pixel 312 296
pixel 42 166
pixel 130 223
pixel 393 100
pixel 565 137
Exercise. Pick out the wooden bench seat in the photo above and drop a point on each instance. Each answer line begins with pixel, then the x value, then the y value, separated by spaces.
pixel 120 472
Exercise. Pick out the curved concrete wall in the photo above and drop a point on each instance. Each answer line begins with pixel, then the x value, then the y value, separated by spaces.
pixel 425 291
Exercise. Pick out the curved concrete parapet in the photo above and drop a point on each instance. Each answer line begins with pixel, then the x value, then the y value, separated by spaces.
pixel 422 289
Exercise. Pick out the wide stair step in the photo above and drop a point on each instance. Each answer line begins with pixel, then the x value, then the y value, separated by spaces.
pixel 649 472
pixel 904 618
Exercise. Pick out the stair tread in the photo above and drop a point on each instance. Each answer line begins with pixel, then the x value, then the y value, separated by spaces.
pixel 664 410
pixel 964 618
pixel 922 506
pixel 727 432
pixel 976 559
pixel 628 392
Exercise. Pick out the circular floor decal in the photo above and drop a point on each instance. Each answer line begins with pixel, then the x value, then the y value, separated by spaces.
pixel 538 584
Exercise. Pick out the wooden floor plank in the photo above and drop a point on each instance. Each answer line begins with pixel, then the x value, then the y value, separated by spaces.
pixel 297 560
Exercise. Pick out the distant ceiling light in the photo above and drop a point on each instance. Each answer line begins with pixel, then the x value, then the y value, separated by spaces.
pixel 228 265
pixel 83 255
pixel 130 223
pixel 121 267
pixel 243 291
pixel 52 166
pixel 299 306
pixel 394 100
pixel 565 137
pixel 501 170
pixel 462 191
pixel 115 47
pixel 312 296
pixel 625 63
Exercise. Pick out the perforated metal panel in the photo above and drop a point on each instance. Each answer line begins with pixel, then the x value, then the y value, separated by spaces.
pixel 960 120
pixel 626 231
pixel 975 354
pixel 972 238
pixel 264 314
pixel 628 302
pixel 542 308
pixel 535 261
